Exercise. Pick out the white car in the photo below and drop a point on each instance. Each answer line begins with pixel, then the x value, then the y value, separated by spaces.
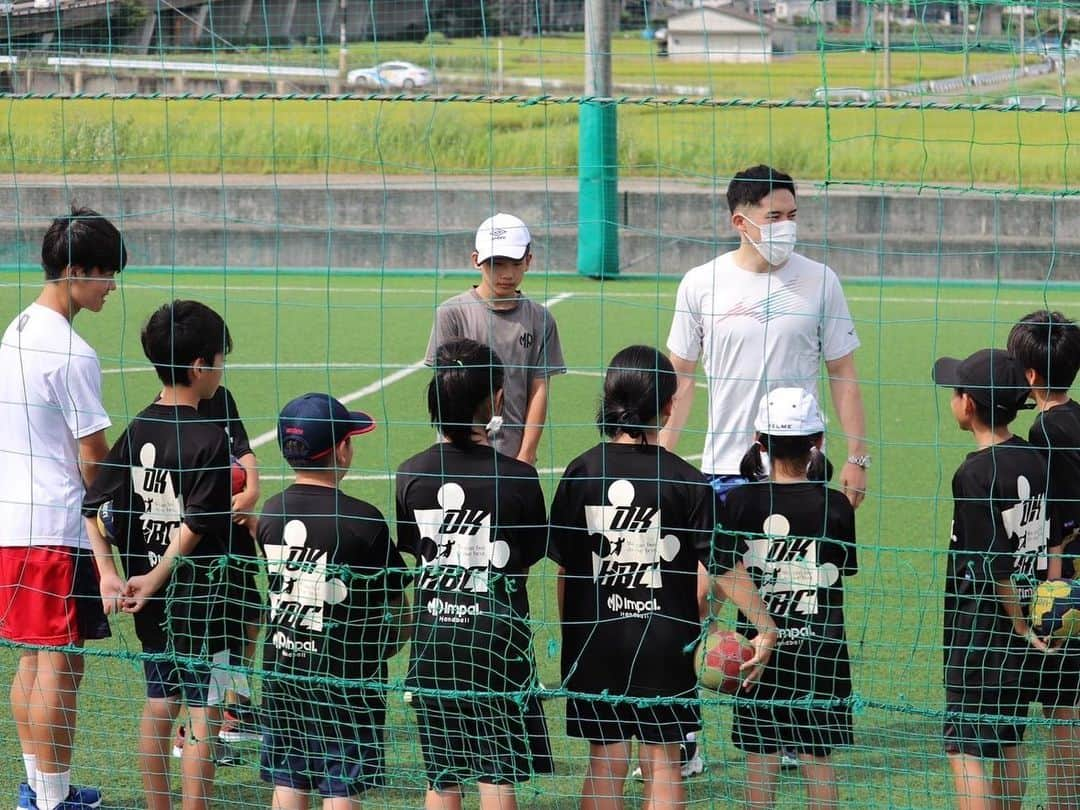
pixel 392 76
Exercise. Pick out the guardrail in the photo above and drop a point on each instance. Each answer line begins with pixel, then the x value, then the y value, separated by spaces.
pixel 166 66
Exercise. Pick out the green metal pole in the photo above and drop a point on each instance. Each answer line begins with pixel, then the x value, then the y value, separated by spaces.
pixel 598 175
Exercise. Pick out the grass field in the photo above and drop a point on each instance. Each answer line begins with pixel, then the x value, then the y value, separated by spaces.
pixel 345 334
pixel 1015 150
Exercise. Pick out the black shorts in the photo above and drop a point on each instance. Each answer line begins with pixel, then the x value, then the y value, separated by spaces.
pixel 246 598
pixel 1054 679
pixel 498 741
pixel 767 727
pixel 170 677
pixel 653 721
pixel 319 739
pixel 982 723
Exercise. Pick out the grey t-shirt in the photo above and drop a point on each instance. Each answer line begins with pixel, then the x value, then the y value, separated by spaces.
pixel 525 338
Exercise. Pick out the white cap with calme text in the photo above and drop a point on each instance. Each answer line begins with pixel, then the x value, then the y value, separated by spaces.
pixel 502 235
pixel 789 412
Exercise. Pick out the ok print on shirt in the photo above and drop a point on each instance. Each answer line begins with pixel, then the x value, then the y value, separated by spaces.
pixel 464 552
pixel 631 547
pixel 1026 521
pixel 791 575
pixel 163 509
pixel 305 588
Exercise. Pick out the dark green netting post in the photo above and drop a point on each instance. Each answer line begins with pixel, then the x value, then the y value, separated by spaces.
pixel 598 191
pixel 598 176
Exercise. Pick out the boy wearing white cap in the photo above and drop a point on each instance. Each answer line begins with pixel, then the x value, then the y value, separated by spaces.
pixel 522 332
pixel 797 540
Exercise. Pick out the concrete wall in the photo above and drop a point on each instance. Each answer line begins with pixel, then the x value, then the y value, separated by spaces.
pixel 409 223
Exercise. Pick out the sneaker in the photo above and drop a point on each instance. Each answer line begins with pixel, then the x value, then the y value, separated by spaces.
pixel 78 798
pixel 225 755
pixel 789 760
pixel 178 743
pixel 240 723
pixel 693 766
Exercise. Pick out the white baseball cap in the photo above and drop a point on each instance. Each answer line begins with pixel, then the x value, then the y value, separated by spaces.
pixel 502 235
pixel 789 412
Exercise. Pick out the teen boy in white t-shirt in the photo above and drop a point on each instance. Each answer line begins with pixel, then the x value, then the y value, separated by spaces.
pixel 763 317
pixel 52 439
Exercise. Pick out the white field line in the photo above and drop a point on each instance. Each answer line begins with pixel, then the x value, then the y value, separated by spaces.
pixel 588 296
pixel 378 385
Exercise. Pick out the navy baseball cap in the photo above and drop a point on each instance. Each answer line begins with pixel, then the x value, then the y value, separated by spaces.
pixel 991 377
pixel 314 424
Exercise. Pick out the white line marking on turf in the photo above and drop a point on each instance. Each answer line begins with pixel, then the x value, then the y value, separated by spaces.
pixel 378 385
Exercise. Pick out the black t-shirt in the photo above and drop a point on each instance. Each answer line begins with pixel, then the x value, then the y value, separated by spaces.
pixel 332 572
pixel 169 467
pixel 222 411
pixel 476 522
pixel 798 543
pixel 1056 433
pixel 999 532
pixel 630 524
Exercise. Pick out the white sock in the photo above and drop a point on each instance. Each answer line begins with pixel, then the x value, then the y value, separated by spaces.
pixel 30 761
pixel 52 789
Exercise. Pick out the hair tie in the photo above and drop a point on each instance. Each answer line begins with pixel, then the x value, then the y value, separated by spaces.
pixel 460 363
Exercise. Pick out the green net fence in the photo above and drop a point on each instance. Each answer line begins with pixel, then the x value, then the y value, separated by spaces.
pixel 316 171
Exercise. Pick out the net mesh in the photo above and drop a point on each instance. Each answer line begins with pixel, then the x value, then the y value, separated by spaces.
pixel 315 172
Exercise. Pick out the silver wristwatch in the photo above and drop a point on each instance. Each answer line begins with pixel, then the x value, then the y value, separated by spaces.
pixel 860 461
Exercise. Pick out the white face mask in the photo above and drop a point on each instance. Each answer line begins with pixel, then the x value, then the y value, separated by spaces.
pixel 777 240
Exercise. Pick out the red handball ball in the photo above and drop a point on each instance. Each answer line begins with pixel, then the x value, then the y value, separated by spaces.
pixel 239 476
pixel 720 656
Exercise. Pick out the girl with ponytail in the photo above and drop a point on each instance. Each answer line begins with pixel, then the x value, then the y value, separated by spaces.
pixel 475 521
pixel 631 524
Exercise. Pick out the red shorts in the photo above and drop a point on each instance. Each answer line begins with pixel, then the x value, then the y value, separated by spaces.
pixel 49 596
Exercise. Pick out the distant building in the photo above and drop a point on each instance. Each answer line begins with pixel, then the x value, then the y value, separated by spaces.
pixel 815 11
pixel 709 34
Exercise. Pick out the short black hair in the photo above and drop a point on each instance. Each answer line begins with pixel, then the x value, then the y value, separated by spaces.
pixel 467 374
pixel 751 186
pixel 84 239
pixel 1048 343
pixel 990 416
pixel 178 334
pixel 639 382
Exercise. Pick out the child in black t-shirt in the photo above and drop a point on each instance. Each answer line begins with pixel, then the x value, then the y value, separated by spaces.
pixel 246 606
pixel 998 553
pixel 334 577
pixel 168 480
pixel 1047 345
pixel 630 525
pixel 797 540
pixel 475 521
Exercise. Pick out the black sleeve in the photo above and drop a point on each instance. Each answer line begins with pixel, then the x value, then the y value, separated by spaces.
pixel 701 517
pixel 113 478
pixel 729 545
pixel 533 529
pixel 207 488
pixel 843 532
pixel 564 527
pixel 408 536
pixel 239 444
pixel 384 554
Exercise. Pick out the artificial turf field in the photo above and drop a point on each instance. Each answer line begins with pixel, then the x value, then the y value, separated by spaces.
pixel 364 335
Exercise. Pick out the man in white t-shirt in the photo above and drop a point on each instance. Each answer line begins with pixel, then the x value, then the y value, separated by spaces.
pixel 763 317
pixel 52 439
